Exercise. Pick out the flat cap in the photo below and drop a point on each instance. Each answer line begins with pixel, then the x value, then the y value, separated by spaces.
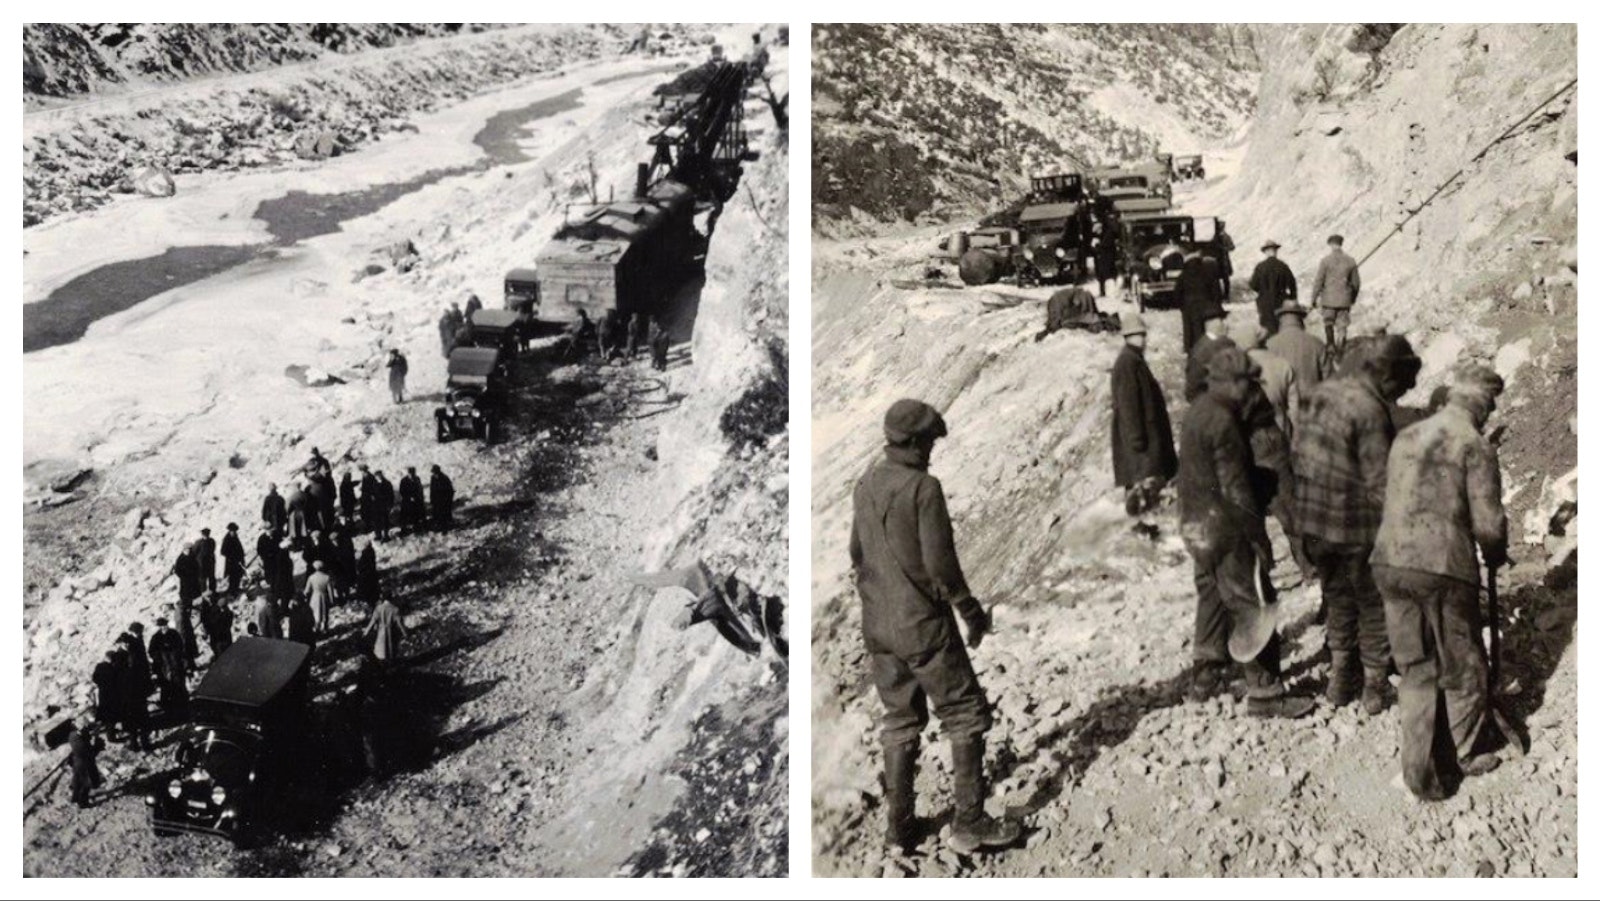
pixel 908 419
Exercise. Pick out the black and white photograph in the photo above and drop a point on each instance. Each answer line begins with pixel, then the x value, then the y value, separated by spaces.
pixel 405 431
pixel 1194 450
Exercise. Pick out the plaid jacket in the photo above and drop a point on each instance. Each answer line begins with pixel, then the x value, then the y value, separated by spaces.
pixel 1341 452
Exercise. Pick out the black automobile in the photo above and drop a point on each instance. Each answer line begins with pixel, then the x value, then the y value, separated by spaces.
pixel 499 329
pixel 248 724
pixel 1055 243
pixel 474 395
pixel 1152 255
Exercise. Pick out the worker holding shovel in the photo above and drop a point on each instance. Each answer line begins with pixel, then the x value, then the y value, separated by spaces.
pixel 1441 507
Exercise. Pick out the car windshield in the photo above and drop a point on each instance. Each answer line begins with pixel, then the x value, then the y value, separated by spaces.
pixel 228 757
pixel 1129 181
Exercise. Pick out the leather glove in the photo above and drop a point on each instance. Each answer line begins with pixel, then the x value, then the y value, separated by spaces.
pixel 977 620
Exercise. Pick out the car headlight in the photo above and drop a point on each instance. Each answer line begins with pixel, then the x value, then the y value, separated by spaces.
pixel 175 788
pixel 474 413
pixel 218 795
pixel 1061 253
pixel 1027 252
pixel 1155 262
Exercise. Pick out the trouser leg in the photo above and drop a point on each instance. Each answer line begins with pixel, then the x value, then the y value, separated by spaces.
pixel 1464 671
pixel 1210 617
pixel 905 705
pixel 1416 656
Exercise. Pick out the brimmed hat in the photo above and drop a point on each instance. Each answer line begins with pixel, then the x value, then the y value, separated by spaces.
pixel 1271 245
pixel 1133 324
pixel 909 419
pixel 1336 239
pixel 1291 308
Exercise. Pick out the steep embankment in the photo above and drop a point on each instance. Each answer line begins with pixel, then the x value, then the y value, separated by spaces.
pixel 558 719
pixel 64 59
pixel 932 121
pixel 83 156
pixel 1094 745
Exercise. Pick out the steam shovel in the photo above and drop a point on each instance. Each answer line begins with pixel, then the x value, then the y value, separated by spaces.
pixel 1514 738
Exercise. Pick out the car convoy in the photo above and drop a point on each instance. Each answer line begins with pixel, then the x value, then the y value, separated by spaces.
pixel 1055 234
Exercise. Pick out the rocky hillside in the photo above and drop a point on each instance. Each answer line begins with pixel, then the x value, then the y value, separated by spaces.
pixel 80 158
pixel 935 120
pixel 1113 772
pixel 61 59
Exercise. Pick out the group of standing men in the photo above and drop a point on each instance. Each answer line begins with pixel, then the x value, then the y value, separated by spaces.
pixel 1386 506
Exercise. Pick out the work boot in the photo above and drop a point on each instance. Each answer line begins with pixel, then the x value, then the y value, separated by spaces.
pixel 972 829
pixel 900 798
pixel 1375 694
pixel 1206 681
pixel 1479 764
pixel 1286 707
pixel 1342 678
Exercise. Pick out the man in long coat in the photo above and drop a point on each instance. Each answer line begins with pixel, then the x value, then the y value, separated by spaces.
pixel 233 558
pixel 206 557
pixel 413 508
pixel 387 628
pixel 320 595
pixel 1220 515
pixel 1273 281
pixel 187 569
pixel 902 550
pixel 369 499
pixel 275 511
pixel 266 617
pixel 1442 505
pixel 1143 459
pixel 1199 290
pixel 171 666
pixel 442 498
pixel 384 505
pixel 347 500
pixel 398 367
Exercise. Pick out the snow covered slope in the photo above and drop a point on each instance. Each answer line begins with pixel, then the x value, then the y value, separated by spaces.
pixel 938 120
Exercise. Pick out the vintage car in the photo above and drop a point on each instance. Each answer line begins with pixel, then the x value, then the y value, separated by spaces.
pixel 984 255
pixel 500 329
pixel 1153 249
pixel 1190 167
pixel 474 395
pixel 522 292
pixel 243 744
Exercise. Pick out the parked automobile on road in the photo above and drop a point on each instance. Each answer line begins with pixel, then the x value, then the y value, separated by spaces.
pixel 247 739
pixel 474 395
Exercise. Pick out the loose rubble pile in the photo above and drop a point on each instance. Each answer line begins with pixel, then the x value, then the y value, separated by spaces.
pixel 78 160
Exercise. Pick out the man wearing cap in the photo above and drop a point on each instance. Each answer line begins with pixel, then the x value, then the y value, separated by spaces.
pixel 1336 288
pixel 1304 353
pixel 1143 459
pixel 1219 511
pixel 903 554
pixel 1273 283
pixel 1213 337
pixel 1441 507
pixel 1341 452
pixel 1199 290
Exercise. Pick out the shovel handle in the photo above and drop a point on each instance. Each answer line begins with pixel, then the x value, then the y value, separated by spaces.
pixel 1494 630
